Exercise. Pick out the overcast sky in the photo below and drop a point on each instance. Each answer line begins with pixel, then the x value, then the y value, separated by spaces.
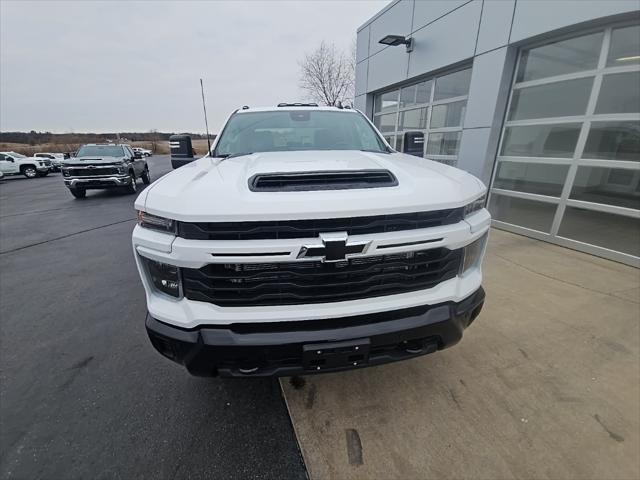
pixel 134 66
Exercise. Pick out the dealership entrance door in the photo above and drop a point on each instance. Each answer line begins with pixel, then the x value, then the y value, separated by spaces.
pixel 568 165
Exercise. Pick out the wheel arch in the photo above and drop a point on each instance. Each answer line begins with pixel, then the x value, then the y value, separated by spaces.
pixel 23 166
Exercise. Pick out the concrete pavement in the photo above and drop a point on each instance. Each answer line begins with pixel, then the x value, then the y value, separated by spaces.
pixel 545 384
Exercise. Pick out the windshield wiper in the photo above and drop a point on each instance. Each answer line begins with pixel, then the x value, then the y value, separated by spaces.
pixel 374 151
pixel 225 156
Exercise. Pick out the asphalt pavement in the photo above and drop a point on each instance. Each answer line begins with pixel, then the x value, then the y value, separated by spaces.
pixel 83 394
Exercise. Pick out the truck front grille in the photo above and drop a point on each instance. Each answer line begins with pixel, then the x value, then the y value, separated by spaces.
pixel 92 172
pixel 281 229
pixel 305 282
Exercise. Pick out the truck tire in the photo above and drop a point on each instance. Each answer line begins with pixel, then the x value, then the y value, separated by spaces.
pixel 146 178
pixel 132 187
pixel 29 171
pixel 78 192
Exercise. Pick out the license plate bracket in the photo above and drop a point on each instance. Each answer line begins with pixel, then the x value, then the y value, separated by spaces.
pixel 332 355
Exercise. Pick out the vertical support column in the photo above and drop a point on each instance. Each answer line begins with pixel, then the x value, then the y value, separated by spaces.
pixel 488 94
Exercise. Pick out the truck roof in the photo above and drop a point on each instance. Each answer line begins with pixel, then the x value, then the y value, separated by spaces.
pixel 107 144
pixel 293 107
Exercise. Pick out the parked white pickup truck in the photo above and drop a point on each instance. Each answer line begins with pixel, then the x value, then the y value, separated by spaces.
pixel 303 243
pixel 12 163
pixel 143 151
pixel 57 159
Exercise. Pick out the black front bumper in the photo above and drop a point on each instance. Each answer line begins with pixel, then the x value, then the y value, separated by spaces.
pixel 94 183
pixel 315 346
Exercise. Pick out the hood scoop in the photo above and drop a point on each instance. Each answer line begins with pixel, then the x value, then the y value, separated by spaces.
pixel 321 180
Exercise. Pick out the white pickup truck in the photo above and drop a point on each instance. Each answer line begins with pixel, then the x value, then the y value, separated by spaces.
pixel 142 151
pixel 303 243
pixel 57 159
pixel 12 163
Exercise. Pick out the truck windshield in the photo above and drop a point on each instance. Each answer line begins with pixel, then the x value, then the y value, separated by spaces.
pixel 290 130
pixel 100 151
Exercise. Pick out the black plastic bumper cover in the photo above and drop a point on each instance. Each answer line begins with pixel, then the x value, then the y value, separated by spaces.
pixel 282 348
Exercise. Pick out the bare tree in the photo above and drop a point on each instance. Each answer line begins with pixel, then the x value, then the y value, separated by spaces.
pixel 154 138
pixel 327 75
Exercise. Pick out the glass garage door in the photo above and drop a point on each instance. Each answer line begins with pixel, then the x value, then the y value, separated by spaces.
pixel 433 108
pixel 568 168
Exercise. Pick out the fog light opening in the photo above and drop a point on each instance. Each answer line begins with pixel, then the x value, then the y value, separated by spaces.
pixel 164 277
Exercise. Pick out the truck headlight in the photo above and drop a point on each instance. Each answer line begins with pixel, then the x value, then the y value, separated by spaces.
pixel 477 204
pixel 155 222
pixel 165 277
pixel 472 253
pixel 122 169
pixel 65 172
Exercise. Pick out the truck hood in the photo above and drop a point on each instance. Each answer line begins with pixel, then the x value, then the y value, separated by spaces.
pixel 213 189
pixel 93 160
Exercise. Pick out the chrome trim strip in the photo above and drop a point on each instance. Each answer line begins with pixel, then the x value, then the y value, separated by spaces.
pixel 115 180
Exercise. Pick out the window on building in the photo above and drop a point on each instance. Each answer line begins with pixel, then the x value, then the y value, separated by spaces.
pixel 387 102
pixel 558 99
pixel 452 85
pixel 625 46
pixel 619 93
pixel 435 107
pixel 558 58
pixel 568 167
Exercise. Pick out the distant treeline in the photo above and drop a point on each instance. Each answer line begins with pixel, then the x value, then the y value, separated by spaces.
pixel 37 138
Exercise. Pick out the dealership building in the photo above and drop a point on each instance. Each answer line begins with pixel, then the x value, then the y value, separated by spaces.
pixel 538 98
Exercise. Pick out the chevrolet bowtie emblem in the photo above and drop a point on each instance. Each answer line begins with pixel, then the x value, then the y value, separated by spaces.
pixel 334 248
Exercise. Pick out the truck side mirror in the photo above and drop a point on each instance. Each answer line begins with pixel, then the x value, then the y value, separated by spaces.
pixel 414 143
pixel 181 150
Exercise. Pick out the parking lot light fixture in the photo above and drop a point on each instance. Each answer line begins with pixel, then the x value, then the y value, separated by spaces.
pixel 395 40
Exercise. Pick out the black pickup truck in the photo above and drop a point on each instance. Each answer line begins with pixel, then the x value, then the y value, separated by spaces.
pixel 100 166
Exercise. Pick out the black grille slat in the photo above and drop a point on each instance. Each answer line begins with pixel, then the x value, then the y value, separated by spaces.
pixel 290 298
pixel 382 277
pixel 321 180
pixel 287 229
pixel 91 172
pixel 314 272
pixel 304 282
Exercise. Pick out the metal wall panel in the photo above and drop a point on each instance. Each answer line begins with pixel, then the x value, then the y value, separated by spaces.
pixel 427 12
pixel 362 44
pixel 446 41
pixel 360 103
pixel 495 24
pixel 387 67
pixel 395 21
pixel 489 89
pixel 488 95
pixel 537 17
pixel 472 156
pixel 361 77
